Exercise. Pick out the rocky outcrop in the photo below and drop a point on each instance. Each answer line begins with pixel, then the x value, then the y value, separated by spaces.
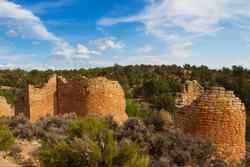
pixel 214 115
pixel 5 109
pixel 190 92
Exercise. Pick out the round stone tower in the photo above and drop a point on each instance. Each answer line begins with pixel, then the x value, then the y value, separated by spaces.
pixel 217 116
pixel 98 96
pixel 105 97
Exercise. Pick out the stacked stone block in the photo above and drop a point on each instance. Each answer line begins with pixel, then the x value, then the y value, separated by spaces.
pixel 21 103
pixel 42 101
pixel 106 98
pixel 217 116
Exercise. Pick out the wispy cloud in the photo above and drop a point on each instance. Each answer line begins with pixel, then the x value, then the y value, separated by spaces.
pixel 24 22
pixel 186 20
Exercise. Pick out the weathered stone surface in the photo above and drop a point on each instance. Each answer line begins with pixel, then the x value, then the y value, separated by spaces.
pixel 216 116
pixel 41 102
pixel 5 109
pixel 98 96
pixel 106 98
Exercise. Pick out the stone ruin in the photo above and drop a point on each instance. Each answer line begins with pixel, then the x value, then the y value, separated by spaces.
pixel 213 115
pixel 98 96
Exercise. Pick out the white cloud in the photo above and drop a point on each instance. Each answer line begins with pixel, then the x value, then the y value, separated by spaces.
pixel 186 20
pixel 79 52
pixel 24 22
pixel 104 44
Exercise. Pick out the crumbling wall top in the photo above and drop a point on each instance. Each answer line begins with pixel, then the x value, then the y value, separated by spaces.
pixel 191 91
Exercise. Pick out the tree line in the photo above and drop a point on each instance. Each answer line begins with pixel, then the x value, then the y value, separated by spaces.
pixel 156 85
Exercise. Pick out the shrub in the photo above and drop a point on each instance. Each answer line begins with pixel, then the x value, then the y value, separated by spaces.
pixel 155 121
pixel 129 155
pixel 6 138
pixel 53 129
pixel 134 109
pixel 109 148
pixel 92 141
pixel 135 130
pixel 21 127
pixel 75 153
pixel 89 125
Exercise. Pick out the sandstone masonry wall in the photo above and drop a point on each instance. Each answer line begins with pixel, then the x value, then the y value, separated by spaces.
pixel 5 109
pixel 106 98
pixel 42 101
pixel 98 96
pixel 217 116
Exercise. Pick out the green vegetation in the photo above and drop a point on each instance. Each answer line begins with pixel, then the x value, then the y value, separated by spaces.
pixel 10 96
pixel 135 109
pixel 91 141
pixel 76 153
pixel 6 138
pixel 90 126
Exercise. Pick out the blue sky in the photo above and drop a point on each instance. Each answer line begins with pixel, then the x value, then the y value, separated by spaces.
pixel 64 34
